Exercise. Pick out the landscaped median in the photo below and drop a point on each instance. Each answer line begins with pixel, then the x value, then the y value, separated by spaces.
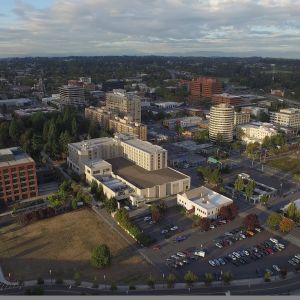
pixel 122 218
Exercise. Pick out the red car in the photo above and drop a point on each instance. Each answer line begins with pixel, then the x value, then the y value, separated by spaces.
pixel 156 247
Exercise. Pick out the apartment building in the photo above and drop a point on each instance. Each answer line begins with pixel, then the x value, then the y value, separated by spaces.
pixel 221 123
pixel 204 87
pixel 255 132
pixel 101 148
pixel 184 122
pixel 100 115
pixel 226 98
pixel 142 153
pixel 289 117
pixel 241 118
pixel 124 126
pixel 203 201
pixel 17 176
pixel 72 95
pixel 124 104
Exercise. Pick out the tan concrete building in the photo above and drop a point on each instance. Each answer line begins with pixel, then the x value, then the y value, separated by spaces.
pixel 289 117
pixel 124 126
pixel 241 118
pixel 17 176
pixel 221 123
pixel 99 115
pixel 124 104
pixel 72 95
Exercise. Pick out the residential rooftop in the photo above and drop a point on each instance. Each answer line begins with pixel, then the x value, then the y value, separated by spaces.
pixel 13 156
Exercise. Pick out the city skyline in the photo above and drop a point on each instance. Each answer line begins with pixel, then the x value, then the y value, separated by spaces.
pixel 170 27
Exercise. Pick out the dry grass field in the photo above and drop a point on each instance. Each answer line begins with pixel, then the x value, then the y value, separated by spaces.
pixel 64 244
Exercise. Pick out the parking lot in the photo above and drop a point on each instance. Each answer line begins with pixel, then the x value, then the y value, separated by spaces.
pixel 248 265
pixel 162 230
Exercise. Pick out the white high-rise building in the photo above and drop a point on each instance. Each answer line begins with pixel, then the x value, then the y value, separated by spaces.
pixel 286 117
pixel 221 123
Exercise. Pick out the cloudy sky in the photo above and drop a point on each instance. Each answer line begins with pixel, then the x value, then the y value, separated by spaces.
pixel 142 27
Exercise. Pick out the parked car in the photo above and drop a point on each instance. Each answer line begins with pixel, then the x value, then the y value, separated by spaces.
pixel 212 226
pixel 181 254
pixel 147 218
pixel 276 268
pixel 219 245
pixel 274 240
pixel 200 253
pixel 181 238
pixel 156 247
pixel 212 263
pixel 164 231
pixel 291 262
pixel 174 228
pixel 228 234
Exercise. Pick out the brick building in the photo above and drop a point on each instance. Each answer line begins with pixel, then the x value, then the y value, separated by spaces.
pixel 17 176
pixel 226 99
pixel 204 87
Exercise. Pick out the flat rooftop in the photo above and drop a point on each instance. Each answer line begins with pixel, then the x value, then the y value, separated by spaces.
pixel 89 144
pixel 143 145
pixel 142 178
pixel 206 198
pixel 13 156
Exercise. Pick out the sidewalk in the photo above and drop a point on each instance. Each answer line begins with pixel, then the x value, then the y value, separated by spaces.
pixel 160 286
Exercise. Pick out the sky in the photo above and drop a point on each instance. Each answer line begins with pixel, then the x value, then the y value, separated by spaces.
pixel 150 27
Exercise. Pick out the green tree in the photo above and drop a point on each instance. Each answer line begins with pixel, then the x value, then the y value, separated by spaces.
pixel 249 190
pixel 111 204
pixel 94 187
pixel 292 211
pixel 77 278
pixel 227 277
pixel 274 220
pixel 264 199
pixel 4 134
pixel 190 278
pixel 239 184
pixel 74 128
pixel 151 281
pixel 101 256
pixel 208 278
pixel 171 279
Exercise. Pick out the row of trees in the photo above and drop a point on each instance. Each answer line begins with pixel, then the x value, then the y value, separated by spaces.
pixel 110 204
pixel 47 132
pixel 248 188
pixel 122 217
pixel 277 222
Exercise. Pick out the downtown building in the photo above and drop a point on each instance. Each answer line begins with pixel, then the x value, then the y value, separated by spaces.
pixel 226 98
pixel 204 87
pixel 18 179
pixel 221 123
pixel 72 95
pixel 127 167
pixel 289 117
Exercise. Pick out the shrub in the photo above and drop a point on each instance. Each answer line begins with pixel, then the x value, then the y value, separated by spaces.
pixel 171 279
pixel 151 281
pixel 77 278
pixel 113 287
pixel 101 256
pixel 59 281
pixel 227 277
pixel 190 278
pixel 132 287
pixel 208 278
pixel 40 280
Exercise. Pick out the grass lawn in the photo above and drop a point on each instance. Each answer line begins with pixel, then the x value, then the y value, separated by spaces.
pixel 64 244
pixel 287 164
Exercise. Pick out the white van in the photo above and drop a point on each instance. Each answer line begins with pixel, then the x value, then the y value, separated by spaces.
pixel 200 253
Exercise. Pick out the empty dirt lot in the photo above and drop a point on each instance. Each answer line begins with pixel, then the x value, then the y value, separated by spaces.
pixel 64 244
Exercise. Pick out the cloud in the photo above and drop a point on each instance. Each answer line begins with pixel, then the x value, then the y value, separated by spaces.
pixel 103 27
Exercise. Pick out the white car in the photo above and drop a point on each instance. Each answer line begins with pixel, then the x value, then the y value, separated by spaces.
pixel 246 252
pixel 297 256
pixel 164 231
pixel 276 268
pixel 212 227
pixel 281 246
pixel 219 245
pixel 180 254
pixel 200 253
pixel 147 219
pixel 242 236
pixel 236 254
pixel 212 263
pixel 274 240
pixel 228 234
pixel 174 228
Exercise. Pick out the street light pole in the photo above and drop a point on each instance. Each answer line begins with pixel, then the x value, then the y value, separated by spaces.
pixel 50 272
pixel 104 277
pixel 163 275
